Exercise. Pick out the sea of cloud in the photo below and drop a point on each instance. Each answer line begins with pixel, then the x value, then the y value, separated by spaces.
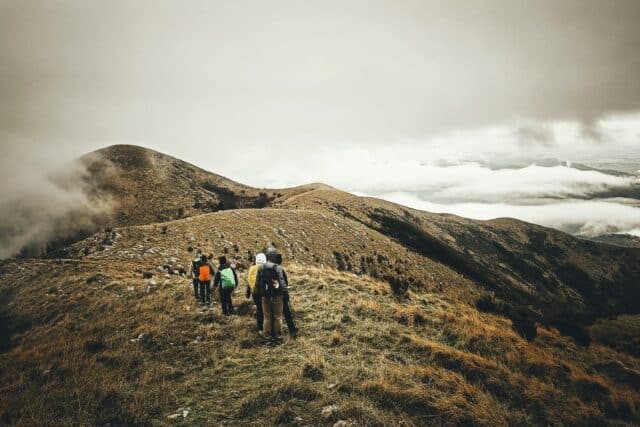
pixel 488 173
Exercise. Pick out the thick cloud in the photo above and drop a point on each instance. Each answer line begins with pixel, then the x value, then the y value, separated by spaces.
pixel 42 200
pixel 582 217
pixel 222 74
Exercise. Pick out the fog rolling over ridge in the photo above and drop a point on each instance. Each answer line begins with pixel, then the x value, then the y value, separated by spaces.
pixel 565 181
pixel 44 199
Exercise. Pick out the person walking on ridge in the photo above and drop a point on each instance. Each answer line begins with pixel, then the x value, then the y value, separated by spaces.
pixel 252 291
pixel 286 301
pixel 195 272
pixel 271 285
pixel 226 281
pixel 205 271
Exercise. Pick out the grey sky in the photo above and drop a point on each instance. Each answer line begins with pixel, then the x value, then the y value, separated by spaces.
pixel 186 74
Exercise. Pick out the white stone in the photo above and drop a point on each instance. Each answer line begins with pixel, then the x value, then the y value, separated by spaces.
pixel 327 411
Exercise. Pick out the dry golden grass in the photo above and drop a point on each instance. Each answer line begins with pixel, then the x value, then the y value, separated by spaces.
pixel 106 350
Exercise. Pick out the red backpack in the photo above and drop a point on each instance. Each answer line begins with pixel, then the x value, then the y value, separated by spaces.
pixel 205 273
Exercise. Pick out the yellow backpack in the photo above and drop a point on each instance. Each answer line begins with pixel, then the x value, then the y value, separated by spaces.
pixel 251 277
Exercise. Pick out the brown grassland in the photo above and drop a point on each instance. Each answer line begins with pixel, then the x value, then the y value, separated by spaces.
pixel 98 346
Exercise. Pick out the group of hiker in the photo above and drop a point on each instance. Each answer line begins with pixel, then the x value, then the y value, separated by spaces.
pixel 267 284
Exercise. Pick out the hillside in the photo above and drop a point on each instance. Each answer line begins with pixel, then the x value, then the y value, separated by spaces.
pixel 147 187
pixel 407 317
pixel 98 345
pixel 557 279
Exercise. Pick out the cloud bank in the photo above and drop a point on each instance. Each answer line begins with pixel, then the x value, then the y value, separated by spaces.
pixel 448 173
pixel 43 199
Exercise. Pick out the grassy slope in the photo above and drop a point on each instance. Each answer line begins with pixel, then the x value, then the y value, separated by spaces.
pixel 379 360
pixel 568 281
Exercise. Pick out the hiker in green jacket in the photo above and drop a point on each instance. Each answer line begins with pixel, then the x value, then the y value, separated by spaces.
pixel 225 281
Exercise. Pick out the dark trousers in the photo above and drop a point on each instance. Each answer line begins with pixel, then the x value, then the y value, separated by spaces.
pixel 205 291
pixel 196 285
pixel 288 315
pixel 257 300
pixel 225 300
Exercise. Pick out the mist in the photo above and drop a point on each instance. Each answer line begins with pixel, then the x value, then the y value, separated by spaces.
pixel 44 199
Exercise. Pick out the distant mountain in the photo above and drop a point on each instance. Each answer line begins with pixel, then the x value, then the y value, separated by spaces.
pixel 624 240
pixel 148 186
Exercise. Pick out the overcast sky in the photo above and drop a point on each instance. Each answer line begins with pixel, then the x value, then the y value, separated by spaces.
pixel 414 101
pixel 185 75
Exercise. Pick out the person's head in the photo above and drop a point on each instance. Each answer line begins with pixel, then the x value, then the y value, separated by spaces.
pixel 261 258
pixel 203 258
pixel 278 258
pixel 271 254
pixel 199 251
pixel 222 260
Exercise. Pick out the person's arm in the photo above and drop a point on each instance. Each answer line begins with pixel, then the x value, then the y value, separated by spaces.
pixel 235 277
pixel 216 279
pixel 283 283
pixel 286 281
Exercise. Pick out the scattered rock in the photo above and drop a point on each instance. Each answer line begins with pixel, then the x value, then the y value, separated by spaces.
pixel 328 411
pixel 340 423
pixel 151 282
pixel 173 416
pixel 160 269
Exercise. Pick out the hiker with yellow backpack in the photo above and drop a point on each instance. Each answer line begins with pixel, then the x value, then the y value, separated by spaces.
pixel 225 281
pixel 252 291
pixel 205 272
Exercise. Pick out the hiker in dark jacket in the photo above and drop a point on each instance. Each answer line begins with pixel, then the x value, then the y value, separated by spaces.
pixel 286 302
pixel 225 281
pixel 205 272
pixel 195 267
pixel 271 285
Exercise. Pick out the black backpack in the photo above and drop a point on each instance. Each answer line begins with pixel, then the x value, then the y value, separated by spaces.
pixel 195 268
pixel 269 280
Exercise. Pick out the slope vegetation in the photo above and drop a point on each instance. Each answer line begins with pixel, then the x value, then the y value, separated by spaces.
pixel 534 273
pixel 97 344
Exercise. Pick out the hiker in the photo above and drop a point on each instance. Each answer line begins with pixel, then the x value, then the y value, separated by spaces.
pixel 252 292
pixel 205 271
pixel 271 285
pixel 195 271
pixel 226 281
pixel 286 301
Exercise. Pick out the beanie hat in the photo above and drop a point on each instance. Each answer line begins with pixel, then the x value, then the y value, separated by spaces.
pixel 261 258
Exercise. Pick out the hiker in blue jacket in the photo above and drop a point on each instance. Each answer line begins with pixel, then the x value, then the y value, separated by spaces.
pixel 225 281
